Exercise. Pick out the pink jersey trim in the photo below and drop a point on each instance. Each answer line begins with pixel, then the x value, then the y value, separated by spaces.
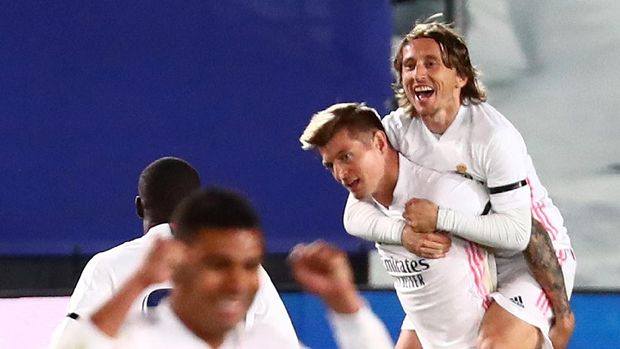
pixel 543 303
pixel 477 266
pixel 539 213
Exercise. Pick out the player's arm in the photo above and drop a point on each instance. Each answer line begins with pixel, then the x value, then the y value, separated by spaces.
pixel 269 309
pixel 504 162
pixel 156 268
pixel 544 265
pixel 93 288
pixel 100 329
pixel 504 230
pixel 324 270
pixel 364 220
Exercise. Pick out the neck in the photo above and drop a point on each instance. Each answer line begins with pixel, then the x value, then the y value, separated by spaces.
pixel 385 194
pixel 149 222
pixel 195 325
pixel 439 121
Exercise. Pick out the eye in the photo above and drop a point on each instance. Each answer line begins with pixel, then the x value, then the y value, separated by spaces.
pixel 346 157
pixel 216 265
pixel 409 66
pixel 251 266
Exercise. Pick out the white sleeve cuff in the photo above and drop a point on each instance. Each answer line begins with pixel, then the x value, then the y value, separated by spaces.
pixel 360 330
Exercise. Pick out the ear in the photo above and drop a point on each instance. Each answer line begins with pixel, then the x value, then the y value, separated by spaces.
pixel 461 81
pixel 139 207
pixel 381 141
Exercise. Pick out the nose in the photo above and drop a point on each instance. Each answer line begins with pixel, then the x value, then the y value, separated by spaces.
pixel 420 71
pixel 339 172
pixel 238 280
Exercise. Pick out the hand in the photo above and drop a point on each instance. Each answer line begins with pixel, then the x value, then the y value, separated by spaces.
pixel 159 263
pixel 421 215
pixel 427 245
pixel 562 330
pixel 323 269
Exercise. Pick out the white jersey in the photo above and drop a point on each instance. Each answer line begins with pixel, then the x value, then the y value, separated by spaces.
pixel 163 329
pixel 108 270
pixel 445 298
pixel 484 144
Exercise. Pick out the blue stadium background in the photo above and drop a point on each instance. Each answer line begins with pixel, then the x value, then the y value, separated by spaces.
pixel 94 91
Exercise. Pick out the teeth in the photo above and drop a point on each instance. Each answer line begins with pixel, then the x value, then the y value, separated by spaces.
pixel 230 304
pixel 423 89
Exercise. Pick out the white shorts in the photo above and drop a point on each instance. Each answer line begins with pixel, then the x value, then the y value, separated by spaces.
pixel 520 294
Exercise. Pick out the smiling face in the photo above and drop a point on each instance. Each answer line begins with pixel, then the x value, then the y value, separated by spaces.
pixel 355 162
pixel 432 88
pixel 218 279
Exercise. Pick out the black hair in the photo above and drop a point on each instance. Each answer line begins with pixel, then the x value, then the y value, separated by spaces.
pixel 164 183
pixel 213 208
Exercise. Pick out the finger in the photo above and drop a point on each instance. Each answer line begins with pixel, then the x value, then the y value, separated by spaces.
pixel 435 245
pixel 442 239
pixel 432 253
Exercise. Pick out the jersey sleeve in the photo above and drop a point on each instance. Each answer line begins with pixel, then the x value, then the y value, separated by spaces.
pixel 82 333
pixel 364 220
pixel 508 230
pixel 93 288
pixel 395 128
pixel 509 225
pixel 505 163
pixel 268 310
pixel 361 330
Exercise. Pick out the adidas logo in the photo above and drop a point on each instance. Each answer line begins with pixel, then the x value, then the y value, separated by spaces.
pixel 518 301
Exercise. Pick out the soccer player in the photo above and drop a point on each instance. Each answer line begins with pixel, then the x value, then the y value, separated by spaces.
pixel 445 298
pixel 161 186
pixel 445 124
pixel 214 262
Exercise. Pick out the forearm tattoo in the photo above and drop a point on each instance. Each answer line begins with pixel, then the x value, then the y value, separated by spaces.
pixel 544 265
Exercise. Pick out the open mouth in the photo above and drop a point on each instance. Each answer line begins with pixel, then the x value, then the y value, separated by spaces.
pixel 352 184
pixel 423 92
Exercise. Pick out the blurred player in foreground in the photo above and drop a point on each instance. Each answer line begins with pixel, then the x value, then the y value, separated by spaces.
pixel 161 186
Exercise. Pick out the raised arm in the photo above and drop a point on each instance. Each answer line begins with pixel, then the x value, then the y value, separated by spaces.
pixel 324 270
pixel 99 330
pixel 156 268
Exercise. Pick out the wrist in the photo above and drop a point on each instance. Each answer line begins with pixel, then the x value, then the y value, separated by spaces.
pixel 345 300
pixel 139 281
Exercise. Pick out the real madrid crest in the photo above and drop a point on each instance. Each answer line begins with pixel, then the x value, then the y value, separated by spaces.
pixel 462 170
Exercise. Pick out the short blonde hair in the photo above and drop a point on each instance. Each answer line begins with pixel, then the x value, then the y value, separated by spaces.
pixel 355 117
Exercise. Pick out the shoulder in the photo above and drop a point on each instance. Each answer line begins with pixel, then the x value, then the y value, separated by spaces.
pixel 119 260
pixel 398 120
pixel 490 128
pixel 396 117
pixel 125 251
pixel 486 117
